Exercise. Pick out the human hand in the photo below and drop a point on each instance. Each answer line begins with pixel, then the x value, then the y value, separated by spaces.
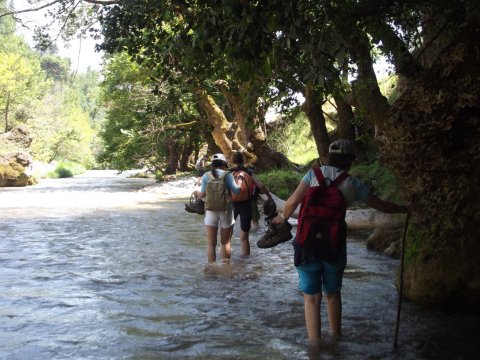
pixel 279 219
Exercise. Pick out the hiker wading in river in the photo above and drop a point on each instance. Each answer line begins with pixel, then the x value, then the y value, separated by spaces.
pixel 215 188
pixel 317 271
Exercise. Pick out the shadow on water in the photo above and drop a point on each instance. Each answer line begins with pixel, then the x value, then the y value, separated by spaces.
pixel 118 274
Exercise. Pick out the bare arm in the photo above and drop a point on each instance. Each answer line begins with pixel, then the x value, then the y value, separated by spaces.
pixel 292 202
pixel 259 184
pixel 384 206
pixel 199 194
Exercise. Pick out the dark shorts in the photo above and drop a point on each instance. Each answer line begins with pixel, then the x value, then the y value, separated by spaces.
pixel 244 209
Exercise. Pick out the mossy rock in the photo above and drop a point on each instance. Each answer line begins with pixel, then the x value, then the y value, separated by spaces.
pixel 12 174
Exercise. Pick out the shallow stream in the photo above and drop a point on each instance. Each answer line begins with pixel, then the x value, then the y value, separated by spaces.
pixel 92 268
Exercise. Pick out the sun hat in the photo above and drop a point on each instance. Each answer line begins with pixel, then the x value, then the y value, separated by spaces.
pixel 219 157
pixel 342 146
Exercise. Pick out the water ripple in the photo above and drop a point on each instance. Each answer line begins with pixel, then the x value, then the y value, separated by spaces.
pixel 92 268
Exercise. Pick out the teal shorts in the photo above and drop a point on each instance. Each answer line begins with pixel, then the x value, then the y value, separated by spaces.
pixel 316 276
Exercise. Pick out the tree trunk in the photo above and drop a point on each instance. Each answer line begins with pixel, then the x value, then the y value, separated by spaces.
pixel 345 128
pixel 313 109
pixel 187 149
pixel 218 121
pixel 173 158
pixel 434 133
pixel 430 139
pixel 260 153
pixel 7 109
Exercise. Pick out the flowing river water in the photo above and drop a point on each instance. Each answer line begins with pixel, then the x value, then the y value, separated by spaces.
pixel 93 268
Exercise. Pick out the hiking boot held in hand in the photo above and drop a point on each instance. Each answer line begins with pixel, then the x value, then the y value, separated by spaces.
pixel 276 234
pixel 195 206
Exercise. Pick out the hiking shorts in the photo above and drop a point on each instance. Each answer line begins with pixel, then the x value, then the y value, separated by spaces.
pixel 315 276
pixel 222 219
pixel 244 209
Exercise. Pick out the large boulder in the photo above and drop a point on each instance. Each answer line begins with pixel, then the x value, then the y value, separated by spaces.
pixel 19 137
pixel 16 159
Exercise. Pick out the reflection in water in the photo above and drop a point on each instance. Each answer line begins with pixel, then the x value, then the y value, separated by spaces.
pixel 91 268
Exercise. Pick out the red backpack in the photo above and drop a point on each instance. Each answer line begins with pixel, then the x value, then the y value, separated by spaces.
pixel 247 186
pixel 321 222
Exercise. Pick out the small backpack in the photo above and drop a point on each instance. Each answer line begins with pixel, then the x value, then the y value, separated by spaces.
pixel 321 222
pixel 216 192
pixel 247 186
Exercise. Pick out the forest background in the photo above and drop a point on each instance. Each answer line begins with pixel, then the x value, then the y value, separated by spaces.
pixel 70 113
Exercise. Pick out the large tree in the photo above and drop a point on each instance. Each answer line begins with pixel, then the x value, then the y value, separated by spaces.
pixel 164 38
pixel 429 136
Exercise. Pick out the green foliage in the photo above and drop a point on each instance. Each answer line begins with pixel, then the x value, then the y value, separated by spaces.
pixel 66 169
pixel 143 126
pixel 379 178
pixel 60 129
pixel 388 87
pixel 280 182
pixel 159 175
pixel 295 140
pixel 39 92
pixel 20 79
pixel 56 67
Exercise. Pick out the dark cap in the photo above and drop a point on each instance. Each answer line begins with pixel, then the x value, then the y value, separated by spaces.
pixel 342 146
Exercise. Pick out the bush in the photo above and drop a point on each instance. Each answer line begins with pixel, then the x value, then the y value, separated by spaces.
pixel 66 169
pixel 159 175
pixel 379 178
pixel 280 182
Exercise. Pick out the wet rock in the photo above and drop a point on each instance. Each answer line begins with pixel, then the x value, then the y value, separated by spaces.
pixel 394 250
pixel 383 239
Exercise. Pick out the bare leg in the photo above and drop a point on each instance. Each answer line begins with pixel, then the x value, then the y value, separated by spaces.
pixel 212 243
pixel 312 317
pixel 226 249
pixel 334 309
pixel 245 243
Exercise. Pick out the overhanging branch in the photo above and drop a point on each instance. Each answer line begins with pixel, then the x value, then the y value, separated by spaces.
pixel 51 3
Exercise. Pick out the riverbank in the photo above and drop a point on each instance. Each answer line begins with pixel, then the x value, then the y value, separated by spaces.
pixel 180 188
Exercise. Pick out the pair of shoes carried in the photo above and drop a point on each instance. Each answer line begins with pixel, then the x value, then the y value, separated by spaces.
pixel 276 234
pixel 196 205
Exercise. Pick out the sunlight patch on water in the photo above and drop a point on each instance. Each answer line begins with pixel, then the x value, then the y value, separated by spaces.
pixel 74 202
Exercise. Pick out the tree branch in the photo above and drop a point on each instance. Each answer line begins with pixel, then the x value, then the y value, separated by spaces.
pixel 95 2
pixel 14 12
pixel 365 89
pixel 102 2
pixel 404 62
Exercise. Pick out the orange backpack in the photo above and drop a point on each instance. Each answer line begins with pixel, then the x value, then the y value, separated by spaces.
pixel 247 186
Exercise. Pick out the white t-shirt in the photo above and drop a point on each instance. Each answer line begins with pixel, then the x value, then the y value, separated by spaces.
pixel 352 188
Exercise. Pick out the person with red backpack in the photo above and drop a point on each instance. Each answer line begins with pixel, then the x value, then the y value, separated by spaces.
pixel 242 202
pixel 320 254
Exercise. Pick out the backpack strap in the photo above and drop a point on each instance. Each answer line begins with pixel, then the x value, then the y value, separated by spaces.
pixel 340 178
pixel 321 179
pixel 224 175
pixel 319 175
